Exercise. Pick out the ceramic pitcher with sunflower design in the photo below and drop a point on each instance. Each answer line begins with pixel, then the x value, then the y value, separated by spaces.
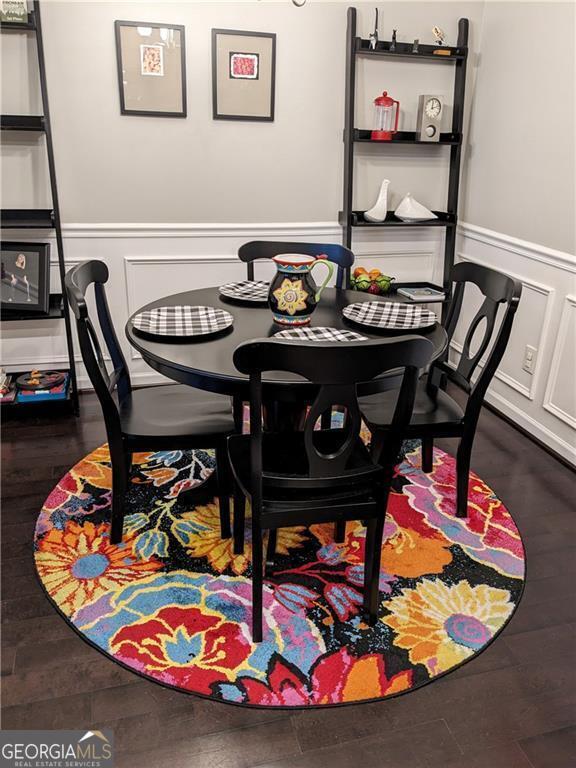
pixel 293 293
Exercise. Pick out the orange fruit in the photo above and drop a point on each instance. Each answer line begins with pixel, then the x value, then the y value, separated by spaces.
pixel 359 271
pixel 374 274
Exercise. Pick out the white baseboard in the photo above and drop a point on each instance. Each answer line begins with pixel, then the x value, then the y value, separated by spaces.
pixel 533 427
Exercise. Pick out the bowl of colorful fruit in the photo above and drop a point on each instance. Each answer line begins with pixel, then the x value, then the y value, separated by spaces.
pixel 370 281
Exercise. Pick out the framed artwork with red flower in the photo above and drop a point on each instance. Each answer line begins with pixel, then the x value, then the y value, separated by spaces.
pixel 243 75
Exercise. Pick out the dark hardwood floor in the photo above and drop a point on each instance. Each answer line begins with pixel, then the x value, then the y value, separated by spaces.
pixel 513 707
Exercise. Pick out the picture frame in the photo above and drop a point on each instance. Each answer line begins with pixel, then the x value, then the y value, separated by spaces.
pixel 243 75
pixel 25 277
pixel 151 63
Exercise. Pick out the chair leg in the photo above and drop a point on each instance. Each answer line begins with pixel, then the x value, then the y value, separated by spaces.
pixel 224 489
pixel 239 521
pixel 427 454
pixel 271 550
pixel 128 464
pixel 372 557
pixel 340 531
pixel 257 583
pixel 462 476
pixel 119 487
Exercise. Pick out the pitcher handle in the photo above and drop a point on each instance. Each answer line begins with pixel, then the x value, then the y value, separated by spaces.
pixel 330 266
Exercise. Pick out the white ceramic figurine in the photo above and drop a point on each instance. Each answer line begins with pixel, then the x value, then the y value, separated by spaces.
pixel 380 209
pixel 411 210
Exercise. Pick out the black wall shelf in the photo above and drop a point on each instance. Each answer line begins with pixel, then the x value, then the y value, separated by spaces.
pixel 55 311
pixel 405 137
pixel 19 26
pixel 36 219
pixel 351 219
pixel 404 50
pixel 27 218
pixel 444 220
pixel 22 122
pixel 40 407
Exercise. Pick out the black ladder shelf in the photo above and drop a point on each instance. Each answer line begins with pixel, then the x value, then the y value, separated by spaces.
pixel 39 218
pixel 457 56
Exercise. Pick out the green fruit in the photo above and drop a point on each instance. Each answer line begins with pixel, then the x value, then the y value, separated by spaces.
pixel 352 282
pixel 363 283
pixel 384 282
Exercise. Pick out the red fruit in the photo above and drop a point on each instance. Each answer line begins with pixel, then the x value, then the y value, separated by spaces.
pixel 374 289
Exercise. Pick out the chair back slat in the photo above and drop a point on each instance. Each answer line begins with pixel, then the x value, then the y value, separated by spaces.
pixel 497 289
pixel 77 282
pixel 330 396
pixel 97 350
pixel 115 351
pixel 263 249
pixel 469 362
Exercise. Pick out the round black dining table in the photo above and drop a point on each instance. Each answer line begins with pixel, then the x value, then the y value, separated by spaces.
pixel 207 363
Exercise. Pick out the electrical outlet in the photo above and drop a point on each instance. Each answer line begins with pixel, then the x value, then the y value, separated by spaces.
pixel 529 359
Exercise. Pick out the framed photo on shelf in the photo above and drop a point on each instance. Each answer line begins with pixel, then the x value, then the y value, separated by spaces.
pixel 25 277
pixel 243 75
pixel 151 68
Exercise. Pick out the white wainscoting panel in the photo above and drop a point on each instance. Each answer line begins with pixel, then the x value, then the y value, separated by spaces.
pixel 560 395
pixel 542 402
pixel 531 322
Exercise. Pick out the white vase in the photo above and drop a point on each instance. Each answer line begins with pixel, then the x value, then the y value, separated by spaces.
pixel 379 211
pixel 411 210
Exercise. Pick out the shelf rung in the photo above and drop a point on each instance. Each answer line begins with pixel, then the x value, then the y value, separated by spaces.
pixel 404 50
pixel 362 136
pixel 443 220
pixel 22 122
pixel 19 26
pixel 26 218
pixel 55 312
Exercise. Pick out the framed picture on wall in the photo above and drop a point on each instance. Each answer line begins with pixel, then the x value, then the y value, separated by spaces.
pixel 25 282
pixel 151 68
pixel 243 75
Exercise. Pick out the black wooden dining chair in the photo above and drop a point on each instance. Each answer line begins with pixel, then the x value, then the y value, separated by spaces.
pixel 263 249
pixel 319 476
pixel 144 419
pixel 436 414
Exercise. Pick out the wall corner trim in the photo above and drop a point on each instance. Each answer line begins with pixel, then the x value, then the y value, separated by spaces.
pixel 558 259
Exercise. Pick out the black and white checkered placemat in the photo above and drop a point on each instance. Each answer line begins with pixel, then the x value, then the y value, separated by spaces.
pixel 319 334
pixel 246 290
pixel 182 321
pixel 390 315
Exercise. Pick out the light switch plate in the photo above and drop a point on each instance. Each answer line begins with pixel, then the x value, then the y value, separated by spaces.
pixel 529 363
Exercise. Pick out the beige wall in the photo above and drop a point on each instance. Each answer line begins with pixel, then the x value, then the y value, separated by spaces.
pixel 519 179
pixel 140 169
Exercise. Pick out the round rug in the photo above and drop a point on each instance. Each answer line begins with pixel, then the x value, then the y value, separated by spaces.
pixel 173 603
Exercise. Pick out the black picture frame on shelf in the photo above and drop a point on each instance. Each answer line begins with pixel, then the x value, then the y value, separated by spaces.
pixel 250 94
pixel 25 278
pixel 151 65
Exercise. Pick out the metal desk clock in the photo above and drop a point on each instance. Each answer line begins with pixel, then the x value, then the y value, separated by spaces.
pixel 429 118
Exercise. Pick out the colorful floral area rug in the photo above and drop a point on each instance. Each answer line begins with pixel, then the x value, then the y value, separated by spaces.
pixel 173 603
